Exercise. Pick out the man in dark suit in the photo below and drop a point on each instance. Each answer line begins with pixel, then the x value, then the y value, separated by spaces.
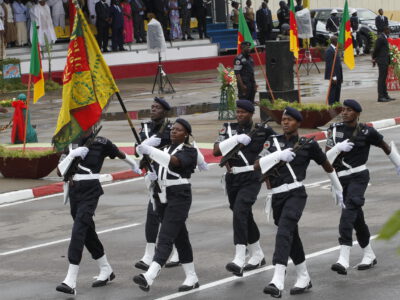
pixel 200 11
pixel 160 8
pixel 337 77
pixel 103 21
pixel 381 57
pixel 117 26
pixel 139 12
pixel 381 21
pixel 264 23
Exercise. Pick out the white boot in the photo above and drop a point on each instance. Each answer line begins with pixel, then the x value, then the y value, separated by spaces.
pixel 106 273
pixel 368 260
pixel 191 281
pixel 303 281
pixel 277 284
pixel 342 264
pixel 145 280
pixel 256 257
pixel 69 284
pixel 147 258
pixel 236 266
pixel 174 259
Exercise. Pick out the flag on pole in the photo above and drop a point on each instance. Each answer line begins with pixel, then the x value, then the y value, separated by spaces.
pixel 345 38
pixel 36 66
pixel 243 32
pixel 294 39
pixel 87 85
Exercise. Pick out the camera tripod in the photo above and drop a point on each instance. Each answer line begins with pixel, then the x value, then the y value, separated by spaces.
pixel 161 79
pixel 308 60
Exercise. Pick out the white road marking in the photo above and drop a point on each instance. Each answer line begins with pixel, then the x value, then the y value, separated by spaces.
pixel 247 274
pixel 65 240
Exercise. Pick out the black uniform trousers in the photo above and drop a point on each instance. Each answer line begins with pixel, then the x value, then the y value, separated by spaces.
pixel 84 196
pixel 383 73
pixel 334 93
pixel 241 199
pixel 152 224
pixel 102 36
pixel 173 228
pixel 249 93
pixel 354 187
pixel 287 210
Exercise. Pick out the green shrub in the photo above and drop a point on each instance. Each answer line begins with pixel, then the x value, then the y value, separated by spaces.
pixel 280 104
pixel 10 152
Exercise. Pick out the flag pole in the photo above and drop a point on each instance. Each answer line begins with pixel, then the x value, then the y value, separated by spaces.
pixel 298 79
pixel 265 75
pixel 27 110
pixel 331 76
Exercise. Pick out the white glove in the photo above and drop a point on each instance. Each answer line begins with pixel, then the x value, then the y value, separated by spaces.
pixel 345 146
pixel 132 163
pixel 201 163
pixel 339 200
pixel 243 139
pixel 144 149
pixel 287 155
pixel 152 176
pixel 79 152
pixel 336 189
pixel 152 141
pixel 203 166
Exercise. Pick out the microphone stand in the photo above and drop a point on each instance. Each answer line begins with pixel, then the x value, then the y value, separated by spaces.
pixel 162 79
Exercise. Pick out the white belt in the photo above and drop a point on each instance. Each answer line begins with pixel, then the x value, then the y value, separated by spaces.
pixel 286 187
pixel 171 182
pixel 237 170
pixel 79 177
pixel 352 171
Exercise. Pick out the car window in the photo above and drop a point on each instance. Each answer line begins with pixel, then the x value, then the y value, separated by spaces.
pixel 323 15
pixel 365 14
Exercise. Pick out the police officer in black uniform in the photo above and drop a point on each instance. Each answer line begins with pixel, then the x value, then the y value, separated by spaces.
pixel 175 166
pixel 244 71
pixel 332 25
pixel 283 14
pixel 84 192
pixel 155 133
pixel 289 197
pixel 355 24
pixel 242 183
pixel 348 148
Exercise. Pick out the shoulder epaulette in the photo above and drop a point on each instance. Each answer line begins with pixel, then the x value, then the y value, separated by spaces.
pixel 100 140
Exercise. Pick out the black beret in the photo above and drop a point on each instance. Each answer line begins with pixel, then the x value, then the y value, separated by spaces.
pixel 353 104
pixel 163 103
pixel 294 113
pixel 185 124
pixel 245 43
pixel 246 105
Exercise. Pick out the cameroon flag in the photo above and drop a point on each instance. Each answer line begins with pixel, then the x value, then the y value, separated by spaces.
pixel 294 39
pixel 346 39
pixel 243 32
pixel 87 85
pixel 36 66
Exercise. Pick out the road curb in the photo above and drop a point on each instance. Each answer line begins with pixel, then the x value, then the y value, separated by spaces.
pixel 56 188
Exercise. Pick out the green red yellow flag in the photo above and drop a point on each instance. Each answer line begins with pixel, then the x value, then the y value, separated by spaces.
pixel 87 85
pixel 36 66
pixel 243 32
pixel 345 38
pixel 294 38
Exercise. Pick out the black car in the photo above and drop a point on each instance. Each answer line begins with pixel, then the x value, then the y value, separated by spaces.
pixel 367 25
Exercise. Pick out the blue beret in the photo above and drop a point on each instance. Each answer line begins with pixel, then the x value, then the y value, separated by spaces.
pixel 246 105
pixel 21 96
pixel 353 104
pixel 245 43
pixel 185 124
pixel 294 113
pixel 163 103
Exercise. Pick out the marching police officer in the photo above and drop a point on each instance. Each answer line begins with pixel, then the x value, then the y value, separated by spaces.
pixel 348 148
pixel 176 163
pixel 244 71
pixel 242 183
pixel 155 133
pixel 84 192
pixel 289 196
pixel 332 25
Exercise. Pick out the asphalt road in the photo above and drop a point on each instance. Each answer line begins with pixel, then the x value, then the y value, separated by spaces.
pixel 34 239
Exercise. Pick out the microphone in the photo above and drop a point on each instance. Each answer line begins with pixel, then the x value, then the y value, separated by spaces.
pixel 155 37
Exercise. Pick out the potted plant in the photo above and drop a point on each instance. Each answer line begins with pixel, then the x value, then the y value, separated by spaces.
pixel 314 115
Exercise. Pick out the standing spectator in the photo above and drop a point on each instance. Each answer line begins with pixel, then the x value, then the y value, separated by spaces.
pixel 200 9
pixel 299 5
pixel 20 22
pixel 264 23
pixel 30 15
pixel 2 48
pixel 139 10
pixel 128 22
pixel 9 25
pixel 103 21
pixel 161 11
pixel 283 14
pixel 235 14
pixel 117 26
pixel 91 5
pixel 332 25
pixel 249 16
pixel 314 21
pixel 45 24
pixel 186 9
pixel 57 13
pixel 354 24
pixel 176 32
pixel 381 57
pixel 381 21
pixel 337 78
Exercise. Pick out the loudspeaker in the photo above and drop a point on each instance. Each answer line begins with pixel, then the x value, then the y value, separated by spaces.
pixel 279 65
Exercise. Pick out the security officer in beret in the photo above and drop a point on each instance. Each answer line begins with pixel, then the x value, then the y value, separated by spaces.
pixel 175 164
pixel 242 183
pixel 286 161
pixel 348 148
pixel 155 133
pixel 84 192
pixel 244 71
